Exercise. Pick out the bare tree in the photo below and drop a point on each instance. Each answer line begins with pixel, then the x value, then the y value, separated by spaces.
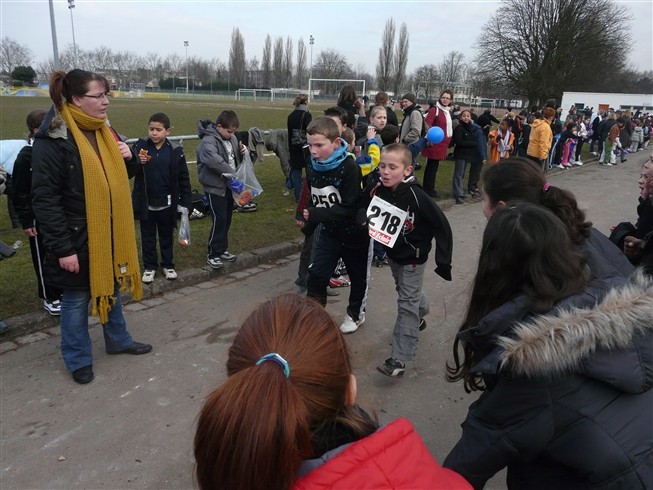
pixel 385 66
pixel 542 47
pixel 266 62
pixel 332 64
pixel 300 71
pixel 237 60
pixel 252 73
pixel 277 62
pixel 451 67
pixel 13 54
pixel 400 59
pixel 425 81
pixel 287 62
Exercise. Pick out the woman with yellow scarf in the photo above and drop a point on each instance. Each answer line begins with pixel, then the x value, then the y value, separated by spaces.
pixel 82 203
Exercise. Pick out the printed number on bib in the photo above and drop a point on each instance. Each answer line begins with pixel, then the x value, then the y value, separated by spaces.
pixel 385 221
pixel 325 197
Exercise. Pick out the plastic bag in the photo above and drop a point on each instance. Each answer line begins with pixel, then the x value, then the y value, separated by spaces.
pixel 245 186
pixel 184 227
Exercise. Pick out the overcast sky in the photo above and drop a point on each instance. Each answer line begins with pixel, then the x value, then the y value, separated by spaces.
pixel 352 28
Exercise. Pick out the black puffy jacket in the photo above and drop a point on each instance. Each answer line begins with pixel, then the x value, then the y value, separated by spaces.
pixel 466 143
pixel 569 395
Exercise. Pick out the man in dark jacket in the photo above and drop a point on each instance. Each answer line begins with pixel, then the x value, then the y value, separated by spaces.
pixel 485 121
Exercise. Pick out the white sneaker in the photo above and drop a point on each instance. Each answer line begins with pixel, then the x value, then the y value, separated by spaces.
pixel 560 166
pixel 170 274
pixel 53 307
pixel 350 326
pixel 148 277
pixel 578 162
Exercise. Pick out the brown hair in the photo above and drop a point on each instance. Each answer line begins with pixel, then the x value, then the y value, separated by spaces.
pixel 447 91
pixel 406 155
pixel 348 135
pixel 381 98
pixel 301 99
pixel 254 430
pixel 548 112
pixel 325 126
pixel 63 86
pixel 520 179
pixel 34 120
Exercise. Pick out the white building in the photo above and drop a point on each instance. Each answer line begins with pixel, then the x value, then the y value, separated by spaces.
pixel 604 101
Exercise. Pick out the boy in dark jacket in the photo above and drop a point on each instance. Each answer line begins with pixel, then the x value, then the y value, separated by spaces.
pixel 399 207
pixel 160 184
pixel 335 183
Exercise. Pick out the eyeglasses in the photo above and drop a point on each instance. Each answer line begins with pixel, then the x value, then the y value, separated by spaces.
pixel 106 95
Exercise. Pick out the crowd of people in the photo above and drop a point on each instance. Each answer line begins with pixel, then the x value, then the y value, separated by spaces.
pixel 561 347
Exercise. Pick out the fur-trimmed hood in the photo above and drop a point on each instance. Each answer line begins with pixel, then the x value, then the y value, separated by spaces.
pixel 612 341
pixel 53 126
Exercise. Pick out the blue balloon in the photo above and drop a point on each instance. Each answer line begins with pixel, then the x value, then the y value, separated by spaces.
pixel 435 135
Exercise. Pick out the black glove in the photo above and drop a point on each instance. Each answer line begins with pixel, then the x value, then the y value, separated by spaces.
pixel 444 271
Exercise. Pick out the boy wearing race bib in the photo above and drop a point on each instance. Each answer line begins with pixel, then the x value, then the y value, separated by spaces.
pixel 405 220
pixel 335 183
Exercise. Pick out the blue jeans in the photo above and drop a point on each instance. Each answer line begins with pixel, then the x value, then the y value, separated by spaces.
pixel 76 345
pixel 296 180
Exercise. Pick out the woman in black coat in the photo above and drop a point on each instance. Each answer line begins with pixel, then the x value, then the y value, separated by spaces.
pixel 465 151
pixel 298 121
pixel 565 363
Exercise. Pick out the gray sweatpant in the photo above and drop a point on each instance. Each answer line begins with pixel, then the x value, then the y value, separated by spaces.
pixel 412 305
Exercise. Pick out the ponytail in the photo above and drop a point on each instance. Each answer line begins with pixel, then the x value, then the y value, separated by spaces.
pixel 230 455
pixel 57 80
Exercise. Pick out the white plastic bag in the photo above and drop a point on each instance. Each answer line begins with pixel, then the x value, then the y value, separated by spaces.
pixel 184 227
pixel 245 186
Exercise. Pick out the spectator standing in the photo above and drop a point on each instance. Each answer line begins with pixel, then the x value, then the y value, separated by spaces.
pixel 218 156
pixel 160 185
pixel 464 151
pixel 298 121
pixel 541 136
pixel 22 181
pixel 438 115
pixel 485 121
pixel 82 203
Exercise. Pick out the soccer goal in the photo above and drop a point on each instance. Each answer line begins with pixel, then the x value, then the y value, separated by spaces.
pixel 255 94
pixel 329 88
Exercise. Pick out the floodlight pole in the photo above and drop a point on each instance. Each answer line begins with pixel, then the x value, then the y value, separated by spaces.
pixel 71 6
pixel 54 38
pixel 186 45
pixel 311 41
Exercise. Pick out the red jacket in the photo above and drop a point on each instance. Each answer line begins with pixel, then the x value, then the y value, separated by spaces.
pixel 393 457
pixel 440 150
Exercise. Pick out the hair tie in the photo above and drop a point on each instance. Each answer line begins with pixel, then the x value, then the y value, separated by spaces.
pixel 546 187
pixel 276 358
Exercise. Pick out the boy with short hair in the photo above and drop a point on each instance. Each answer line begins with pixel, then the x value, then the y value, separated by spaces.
pixel 160 184
pixel 423 222
pixel 335 183
pixel 218 156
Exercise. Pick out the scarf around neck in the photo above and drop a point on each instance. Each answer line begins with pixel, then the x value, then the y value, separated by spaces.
pixel 336 158
pixel 447 115
pixel 109 219
pixel 503 143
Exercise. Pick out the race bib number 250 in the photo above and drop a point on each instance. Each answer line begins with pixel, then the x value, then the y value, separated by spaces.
pixel 385 221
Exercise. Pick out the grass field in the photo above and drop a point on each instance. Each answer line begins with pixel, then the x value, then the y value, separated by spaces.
pixel 272 223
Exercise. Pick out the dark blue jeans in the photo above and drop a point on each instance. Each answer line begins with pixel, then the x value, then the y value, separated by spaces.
pixel 326 254
pixel 297 181
pixel 221 210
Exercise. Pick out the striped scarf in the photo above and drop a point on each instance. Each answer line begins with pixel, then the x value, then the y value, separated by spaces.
pixel 110 222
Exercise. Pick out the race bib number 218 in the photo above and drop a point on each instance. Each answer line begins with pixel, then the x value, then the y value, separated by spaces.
pixel 385 221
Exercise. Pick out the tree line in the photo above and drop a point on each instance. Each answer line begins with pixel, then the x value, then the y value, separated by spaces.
pixel 530 49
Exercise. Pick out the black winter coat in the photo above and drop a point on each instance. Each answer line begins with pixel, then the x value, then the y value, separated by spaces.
pixel 59 202
pixel 298 121
pixel 181 192
pixel 22 181
pixel 466 144
pixel 569 397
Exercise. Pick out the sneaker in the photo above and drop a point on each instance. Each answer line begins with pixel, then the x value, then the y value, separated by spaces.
pixel 595 154
pixel 3 326
pixel 196 214
pixel 422 324
pixel 339 282
pixel 285 192
pixel 350 326
pixel 392 367
pixel 52 307
pixel 560 166
pixel 227 256
pixel 215 262
pixel 170 274
pixel 381 262
pixel 246 208
pixel 578 162
pixel 460 200
pixel 148 277
pixel 607 164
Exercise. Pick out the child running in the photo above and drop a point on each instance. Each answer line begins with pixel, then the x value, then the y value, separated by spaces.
pixel 335 183
pixel 424 221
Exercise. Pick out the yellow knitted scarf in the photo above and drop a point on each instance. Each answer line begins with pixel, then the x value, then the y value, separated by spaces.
pixel 109 216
